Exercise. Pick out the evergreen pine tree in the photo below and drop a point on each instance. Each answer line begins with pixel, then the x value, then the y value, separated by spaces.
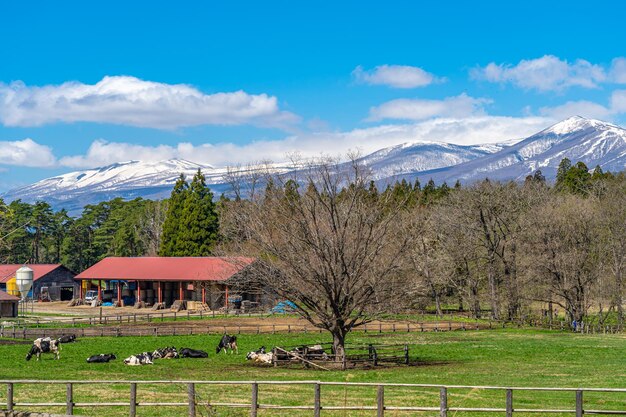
pixel 561 172
pixel 171 226
pixel 199 226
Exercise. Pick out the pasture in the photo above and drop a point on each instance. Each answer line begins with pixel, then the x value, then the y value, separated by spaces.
pixel 498 357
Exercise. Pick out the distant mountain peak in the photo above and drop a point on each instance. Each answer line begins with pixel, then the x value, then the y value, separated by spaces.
pixel 577 124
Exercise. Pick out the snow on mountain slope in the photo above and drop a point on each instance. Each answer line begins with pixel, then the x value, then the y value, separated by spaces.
pixel 124 179
pixel 410 158
pixel 591 141
pixel 155 180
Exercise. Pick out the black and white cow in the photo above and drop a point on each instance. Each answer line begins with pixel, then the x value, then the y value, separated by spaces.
pixel 101 358
pixel 67 338
pixel 227 343
pixel 141 359
pixel 192 353
pixel 165 353
pixel 44 345
pixel 260 356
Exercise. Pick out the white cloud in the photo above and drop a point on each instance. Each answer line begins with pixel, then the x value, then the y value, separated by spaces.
pixel 616 106
pixel 422 109
pixel 130 101
pixel 577 108
pixel 466 131
pixel 618 70
pixel 618 101
pixel 396 76
pixel 548 73
pixel 26 153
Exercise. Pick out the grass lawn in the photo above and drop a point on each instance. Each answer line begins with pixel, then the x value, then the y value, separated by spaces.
pixel 499 357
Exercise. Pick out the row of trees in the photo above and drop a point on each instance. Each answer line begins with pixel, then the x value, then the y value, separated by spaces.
pixel 184 225
pixel 34 233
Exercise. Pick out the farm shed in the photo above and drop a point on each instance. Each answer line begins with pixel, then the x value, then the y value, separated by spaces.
pixel 8 305
pixel 51 282
pixel 167 279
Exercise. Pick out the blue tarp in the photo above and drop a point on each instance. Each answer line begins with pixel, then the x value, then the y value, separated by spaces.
pixel 284 307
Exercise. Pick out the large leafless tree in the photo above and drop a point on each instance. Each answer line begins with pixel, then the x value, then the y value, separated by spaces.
pixel 326 243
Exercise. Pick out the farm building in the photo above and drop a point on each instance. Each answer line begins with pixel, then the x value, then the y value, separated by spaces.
pixel 8 305
pixel 51 282
pixel 167 279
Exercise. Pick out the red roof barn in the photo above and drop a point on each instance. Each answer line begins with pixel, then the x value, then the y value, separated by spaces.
pixel 166 279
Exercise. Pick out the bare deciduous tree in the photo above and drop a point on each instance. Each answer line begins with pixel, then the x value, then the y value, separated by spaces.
pixel 561 252
pixel 327 244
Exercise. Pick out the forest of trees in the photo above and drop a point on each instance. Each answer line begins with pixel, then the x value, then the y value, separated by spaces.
pixel 490 249
pixel 34 233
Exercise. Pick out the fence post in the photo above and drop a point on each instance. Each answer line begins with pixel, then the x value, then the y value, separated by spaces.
pixel 9 397
pixel 380 401
pixel 509 403
pixel 406 354
pixel 191 393
pixel 318 401
pixel 443 402
pixel 255 400
pixel 579 403
pixel 133 399
pixel 69 400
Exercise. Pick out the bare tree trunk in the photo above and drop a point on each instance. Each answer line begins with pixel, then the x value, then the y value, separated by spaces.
pixel 618 300
pixel 437 298
pixel 493 289
pixel 339 347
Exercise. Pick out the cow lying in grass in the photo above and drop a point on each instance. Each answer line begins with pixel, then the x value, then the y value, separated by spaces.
pixel 44 345
pixel 141 359
pixel 260 356
pixel 227 343
pixel 165 353
pixel 101 358
pixel 67 338
pixel 192 353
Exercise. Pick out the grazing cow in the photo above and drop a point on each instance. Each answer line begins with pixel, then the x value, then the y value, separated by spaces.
pixel 67 338
pixel 101 358
pixel 44 345
pixel 227 343
pixel 141 359
pixel 192 353
pixel 165 353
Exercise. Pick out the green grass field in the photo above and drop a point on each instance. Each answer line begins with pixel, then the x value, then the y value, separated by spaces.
pixel 498 357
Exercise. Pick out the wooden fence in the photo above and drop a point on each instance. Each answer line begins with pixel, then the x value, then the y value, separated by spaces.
pixel 316 404
pixel 193 328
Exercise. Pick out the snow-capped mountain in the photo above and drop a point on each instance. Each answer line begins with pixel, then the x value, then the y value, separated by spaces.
pixel 591 141
pixel 128 180
pixel 414 157
pixel 154 180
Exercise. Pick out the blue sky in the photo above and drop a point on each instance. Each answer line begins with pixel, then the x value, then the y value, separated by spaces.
pixel 86 84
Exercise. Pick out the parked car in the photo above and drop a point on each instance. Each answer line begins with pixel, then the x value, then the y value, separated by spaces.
pixel 91 295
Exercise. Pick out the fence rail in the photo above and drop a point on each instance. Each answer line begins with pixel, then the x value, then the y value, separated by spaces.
pixel 194 328
pixel 192 402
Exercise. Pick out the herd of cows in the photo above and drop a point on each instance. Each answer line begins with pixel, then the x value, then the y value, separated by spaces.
pixel 53 346
pixel 226 344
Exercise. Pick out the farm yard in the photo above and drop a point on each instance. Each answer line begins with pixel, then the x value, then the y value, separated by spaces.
pixel 510 357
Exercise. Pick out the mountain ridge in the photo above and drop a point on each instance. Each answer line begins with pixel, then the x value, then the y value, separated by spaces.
pixel 592 141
